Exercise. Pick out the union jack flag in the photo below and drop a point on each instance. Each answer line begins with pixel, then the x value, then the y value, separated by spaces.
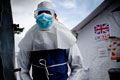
pixel 101 28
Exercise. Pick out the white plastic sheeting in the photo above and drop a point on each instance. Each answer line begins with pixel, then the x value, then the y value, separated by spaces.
pixel 96 64
pixel 57 37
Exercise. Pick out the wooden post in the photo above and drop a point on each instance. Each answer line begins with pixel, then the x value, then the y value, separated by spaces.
pixel 7 41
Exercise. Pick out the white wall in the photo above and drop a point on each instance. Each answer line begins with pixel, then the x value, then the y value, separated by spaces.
pixel 98 65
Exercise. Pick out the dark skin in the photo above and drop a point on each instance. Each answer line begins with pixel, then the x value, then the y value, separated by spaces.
pixel 47 12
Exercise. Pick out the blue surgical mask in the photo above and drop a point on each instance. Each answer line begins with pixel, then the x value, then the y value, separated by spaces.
pixel 44 20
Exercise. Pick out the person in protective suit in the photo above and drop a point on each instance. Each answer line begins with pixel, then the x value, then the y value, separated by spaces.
pixel 50 48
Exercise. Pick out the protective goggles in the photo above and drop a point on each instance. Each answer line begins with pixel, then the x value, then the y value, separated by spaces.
pixel 43 10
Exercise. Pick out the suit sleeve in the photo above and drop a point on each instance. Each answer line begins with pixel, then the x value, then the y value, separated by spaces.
pixel 75 63
pixel 24 63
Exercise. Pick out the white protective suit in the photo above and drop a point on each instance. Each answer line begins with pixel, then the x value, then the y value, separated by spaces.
pixel 56 37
